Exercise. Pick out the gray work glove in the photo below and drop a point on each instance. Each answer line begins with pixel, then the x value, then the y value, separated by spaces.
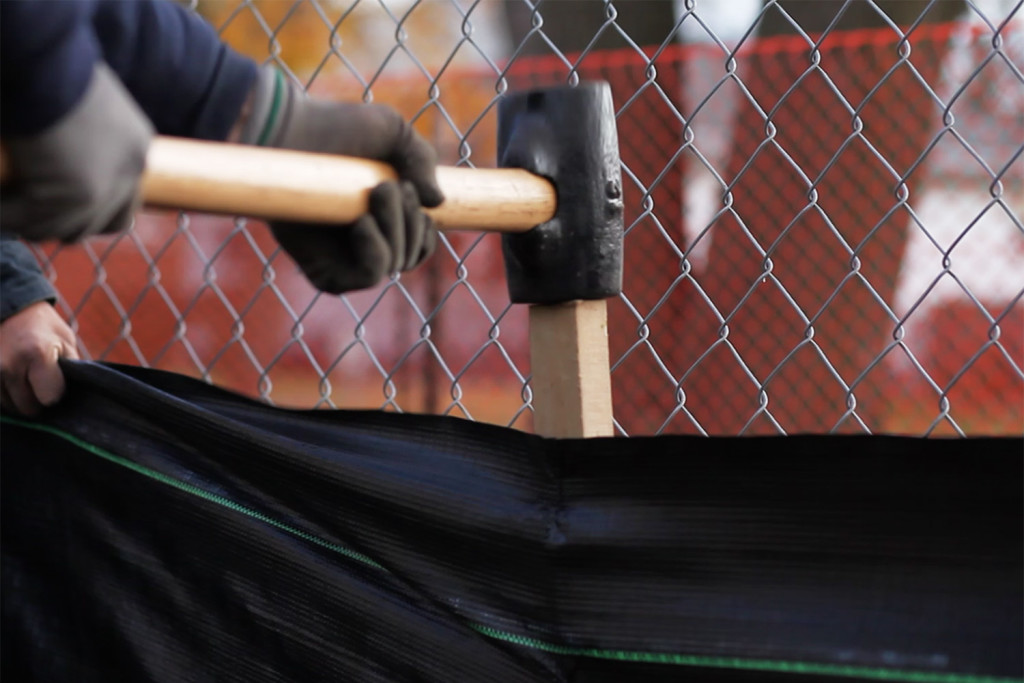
pixel 395 234
pixel 79 177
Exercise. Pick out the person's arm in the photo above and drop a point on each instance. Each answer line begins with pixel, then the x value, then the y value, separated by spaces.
pixel 75 139
pixel 83 175
pixel 218 94
pixel 33 336
pixel 395 234
pixel 22 282
pixel 187 81
pixel 47 54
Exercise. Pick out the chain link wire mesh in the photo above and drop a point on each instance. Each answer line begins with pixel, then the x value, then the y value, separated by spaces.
pixel 823 229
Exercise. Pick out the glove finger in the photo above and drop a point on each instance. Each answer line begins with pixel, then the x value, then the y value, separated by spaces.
pixel 430 240
pixel 14 215
pixel 386 207
pixel 48 216
pixel 368 262
pixel 336 258
pixel 124 217
pixel 38 220
pixel 415 160
pixel 415 226
pixel 113 222
pixel 45 378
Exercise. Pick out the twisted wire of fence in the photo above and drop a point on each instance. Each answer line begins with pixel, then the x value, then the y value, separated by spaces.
pixel 823 231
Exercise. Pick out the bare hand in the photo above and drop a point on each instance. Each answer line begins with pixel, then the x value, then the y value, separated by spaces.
pixel 31 343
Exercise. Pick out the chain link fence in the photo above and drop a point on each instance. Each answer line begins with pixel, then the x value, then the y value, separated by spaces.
pixel 823 227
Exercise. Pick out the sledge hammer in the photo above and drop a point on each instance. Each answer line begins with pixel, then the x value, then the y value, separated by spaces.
pixel 567 265
pixel 556 199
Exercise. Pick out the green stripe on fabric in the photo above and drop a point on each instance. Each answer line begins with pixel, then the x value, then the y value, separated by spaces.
pixel 735 663
pixel 812 668
pixel 194 490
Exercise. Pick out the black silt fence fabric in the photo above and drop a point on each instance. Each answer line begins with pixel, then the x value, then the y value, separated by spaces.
pixel 156 528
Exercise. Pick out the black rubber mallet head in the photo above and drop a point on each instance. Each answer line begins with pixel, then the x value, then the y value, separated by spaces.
pixel 568 136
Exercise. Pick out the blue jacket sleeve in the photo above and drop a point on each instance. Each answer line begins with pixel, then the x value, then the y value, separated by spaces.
pixel 22 282
pixel 188 82
pixel 47 52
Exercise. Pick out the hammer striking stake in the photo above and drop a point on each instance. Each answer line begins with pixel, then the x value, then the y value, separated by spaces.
pixel 557 199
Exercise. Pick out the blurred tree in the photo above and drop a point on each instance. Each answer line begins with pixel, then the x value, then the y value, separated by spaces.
pixel 294 31
pixel 303 33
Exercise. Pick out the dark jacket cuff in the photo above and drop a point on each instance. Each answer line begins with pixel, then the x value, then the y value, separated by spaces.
pixel 22 282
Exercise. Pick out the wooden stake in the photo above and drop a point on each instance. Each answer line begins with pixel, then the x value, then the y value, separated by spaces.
pixel 572 394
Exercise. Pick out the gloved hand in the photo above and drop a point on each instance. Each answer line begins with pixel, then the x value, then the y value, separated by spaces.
pixel 80 177
pixel 395 234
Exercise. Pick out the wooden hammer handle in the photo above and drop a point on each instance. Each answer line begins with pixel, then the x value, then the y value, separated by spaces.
pixel 276 184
